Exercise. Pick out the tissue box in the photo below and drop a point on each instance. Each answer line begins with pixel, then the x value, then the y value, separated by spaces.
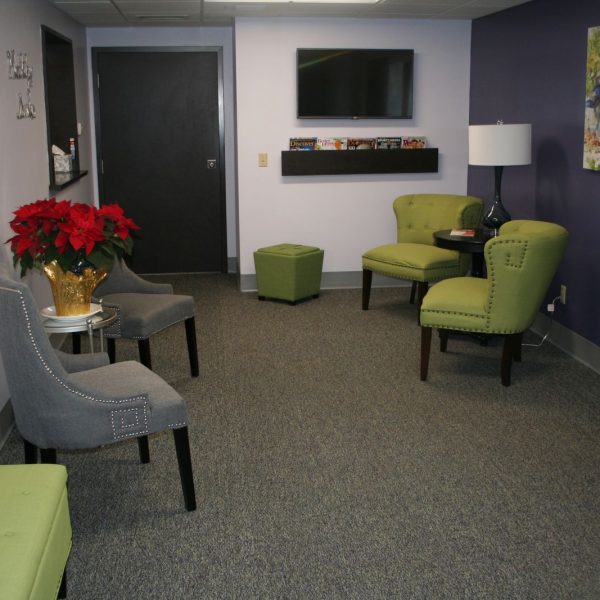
pixel 63 164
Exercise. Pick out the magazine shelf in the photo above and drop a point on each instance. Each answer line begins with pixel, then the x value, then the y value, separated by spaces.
pixel 349 162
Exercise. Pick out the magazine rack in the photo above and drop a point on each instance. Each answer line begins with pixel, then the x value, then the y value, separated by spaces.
pixel 348 162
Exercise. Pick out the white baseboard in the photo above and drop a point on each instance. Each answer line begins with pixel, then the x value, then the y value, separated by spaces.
pixel 335 280
pixel 571 343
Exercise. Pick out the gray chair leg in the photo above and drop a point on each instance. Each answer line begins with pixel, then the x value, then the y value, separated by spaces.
pixel 366 288
pixel 425 350
pixel 184 460
pixel 190 334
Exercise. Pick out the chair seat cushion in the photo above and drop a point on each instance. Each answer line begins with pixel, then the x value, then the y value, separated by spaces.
pixel 141 315
pixel 164 409
pixel 35 530
pixel 458 303
pixel 418 262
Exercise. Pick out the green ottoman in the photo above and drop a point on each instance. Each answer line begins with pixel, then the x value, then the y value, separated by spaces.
pixel 35 531
pixel 288 272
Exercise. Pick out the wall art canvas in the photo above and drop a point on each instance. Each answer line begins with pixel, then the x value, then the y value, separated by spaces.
pixel 591 134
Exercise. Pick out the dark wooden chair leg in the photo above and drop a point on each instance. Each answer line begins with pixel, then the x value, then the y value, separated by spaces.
pixel 190 334
pixel 144 350
pixel 425 350
pixel 422 287
pixel 184 460
pixel 508 352
pixel 517 347
pixel 62 591
pixel 444 333
pixel 76 342
pixel 413 291
pixel 31 453
pixel 366 288
pixel 48 456
pixel 111 350
pixel 144 449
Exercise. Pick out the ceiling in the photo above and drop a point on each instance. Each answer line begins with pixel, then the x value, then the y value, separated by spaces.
pixel 114 13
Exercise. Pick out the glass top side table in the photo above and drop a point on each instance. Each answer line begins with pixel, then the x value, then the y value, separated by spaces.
pixel 96 322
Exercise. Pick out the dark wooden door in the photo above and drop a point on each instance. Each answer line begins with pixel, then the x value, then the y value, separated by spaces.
pixel 159 154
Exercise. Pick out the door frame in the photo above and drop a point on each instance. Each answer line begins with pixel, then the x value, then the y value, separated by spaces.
pixel 221 103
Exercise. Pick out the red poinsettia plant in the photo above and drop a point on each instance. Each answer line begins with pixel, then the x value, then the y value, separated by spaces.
pixel 73 234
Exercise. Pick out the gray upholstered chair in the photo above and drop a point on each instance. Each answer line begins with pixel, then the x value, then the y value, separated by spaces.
pixel 60 402
pixel 143 309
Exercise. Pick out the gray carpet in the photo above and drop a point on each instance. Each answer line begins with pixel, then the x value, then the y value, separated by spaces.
pixel 325 469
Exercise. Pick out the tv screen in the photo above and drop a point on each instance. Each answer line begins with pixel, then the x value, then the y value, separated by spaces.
pixel 338 83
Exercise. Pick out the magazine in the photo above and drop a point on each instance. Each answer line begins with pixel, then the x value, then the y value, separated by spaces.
pixel 463 232
pixel 361 143
pixel 303 143
pixel 332 143
pixel 389 143
pixel 414 142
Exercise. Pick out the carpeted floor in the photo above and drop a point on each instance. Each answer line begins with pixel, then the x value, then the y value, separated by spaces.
pixel 325 469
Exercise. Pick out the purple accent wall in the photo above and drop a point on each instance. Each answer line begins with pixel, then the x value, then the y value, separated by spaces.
pixel 528 66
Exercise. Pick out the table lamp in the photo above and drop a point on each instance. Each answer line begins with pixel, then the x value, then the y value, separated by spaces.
pixel 499 146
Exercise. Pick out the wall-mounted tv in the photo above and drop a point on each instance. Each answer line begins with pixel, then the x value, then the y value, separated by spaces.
pixel 344 83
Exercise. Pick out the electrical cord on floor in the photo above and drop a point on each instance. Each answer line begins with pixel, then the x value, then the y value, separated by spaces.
pixel 550 308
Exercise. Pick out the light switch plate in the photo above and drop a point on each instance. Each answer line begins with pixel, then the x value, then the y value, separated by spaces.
pixel 263 159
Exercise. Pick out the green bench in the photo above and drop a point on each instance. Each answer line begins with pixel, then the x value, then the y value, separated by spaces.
pixel 35 531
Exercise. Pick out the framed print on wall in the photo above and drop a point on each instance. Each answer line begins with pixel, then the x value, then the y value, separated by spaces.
pixel 591 134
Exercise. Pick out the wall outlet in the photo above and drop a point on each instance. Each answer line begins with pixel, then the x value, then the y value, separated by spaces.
pixel 563 294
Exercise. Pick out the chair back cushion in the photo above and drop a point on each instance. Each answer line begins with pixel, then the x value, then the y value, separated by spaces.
pixel 521 263
pixel 418 216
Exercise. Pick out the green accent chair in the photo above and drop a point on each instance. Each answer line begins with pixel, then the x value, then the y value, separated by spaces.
pixel 521 263
pixel 288 272
pixel 415 256
pixel 35 532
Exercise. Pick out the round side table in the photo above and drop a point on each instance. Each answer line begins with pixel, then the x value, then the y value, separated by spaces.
pixel 472 244
pixel 96 322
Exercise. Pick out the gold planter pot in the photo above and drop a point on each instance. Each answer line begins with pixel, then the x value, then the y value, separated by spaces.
pixel 72 293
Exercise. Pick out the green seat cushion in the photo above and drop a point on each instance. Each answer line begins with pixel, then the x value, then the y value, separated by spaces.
pixel 418 262
pixel 457 303
pixel 35 530
pixel 288 249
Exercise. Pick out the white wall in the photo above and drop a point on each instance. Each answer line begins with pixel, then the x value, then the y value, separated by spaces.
pixel 190 37
pixel 345 215
pixel 24 173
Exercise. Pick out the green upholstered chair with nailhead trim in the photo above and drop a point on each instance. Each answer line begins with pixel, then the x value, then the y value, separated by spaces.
pixel 414 256
pixel 521 263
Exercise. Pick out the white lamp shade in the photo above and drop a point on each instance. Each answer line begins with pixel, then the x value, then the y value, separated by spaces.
pixel 499 145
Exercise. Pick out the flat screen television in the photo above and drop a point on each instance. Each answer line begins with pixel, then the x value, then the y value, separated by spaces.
pixel 344 83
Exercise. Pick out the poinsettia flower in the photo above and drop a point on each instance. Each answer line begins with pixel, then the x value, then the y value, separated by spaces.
pixel 25 240
pixel 49 229
pixel 83 228
pixel 115 213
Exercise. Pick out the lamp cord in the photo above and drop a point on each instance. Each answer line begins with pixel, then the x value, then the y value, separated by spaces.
pixel 549 327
